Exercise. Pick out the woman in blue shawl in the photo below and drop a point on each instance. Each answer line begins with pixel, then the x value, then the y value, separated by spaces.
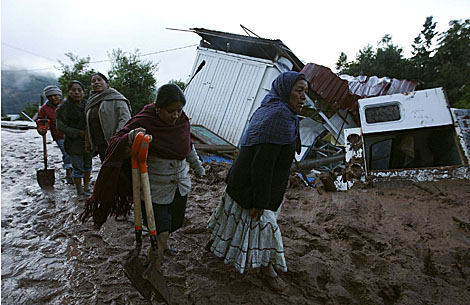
pixel 244 228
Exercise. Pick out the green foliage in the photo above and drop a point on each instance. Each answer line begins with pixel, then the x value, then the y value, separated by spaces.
pixel 451 63
pixel 30 110
pixel 79 70
pixel 423 42
pixel 342 62
pixel 447 65
pixel 133 77
pixel 179 83
pixel 385 60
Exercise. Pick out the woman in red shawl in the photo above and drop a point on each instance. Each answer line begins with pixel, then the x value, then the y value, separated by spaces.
pixel 170 155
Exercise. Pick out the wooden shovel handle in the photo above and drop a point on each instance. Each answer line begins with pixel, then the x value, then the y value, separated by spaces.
pixel 135 150
pixel 144 177
pixel 136 188
pixel 44 145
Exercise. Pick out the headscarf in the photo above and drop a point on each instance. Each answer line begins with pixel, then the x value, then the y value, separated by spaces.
pixel 275 121
pixel 112 193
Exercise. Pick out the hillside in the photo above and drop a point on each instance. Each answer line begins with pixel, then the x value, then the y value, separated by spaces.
pixel 20 89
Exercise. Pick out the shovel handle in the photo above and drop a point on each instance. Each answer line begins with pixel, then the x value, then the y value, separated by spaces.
pixel 44 146
pixel 136 189
pixel 135 150
pixel 144 177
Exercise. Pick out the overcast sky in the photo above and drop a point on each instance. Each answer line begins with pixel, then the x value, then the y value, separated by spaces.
pixel 36 34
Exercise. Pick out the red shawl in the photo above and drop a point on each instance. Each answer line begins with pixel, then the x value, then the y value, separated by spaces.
pixel 112 193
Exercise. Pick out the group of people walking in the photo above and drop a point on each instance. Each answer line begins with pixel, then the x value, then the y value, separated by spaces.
pixel 82 128
pixel 244 229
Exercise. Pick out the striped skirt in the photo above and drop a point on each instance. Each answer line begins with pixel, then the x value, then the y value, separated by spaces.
pixel 243 241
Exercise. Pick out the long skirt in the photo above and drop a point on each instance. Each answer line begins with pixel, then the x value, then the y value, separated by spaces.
pixel 243 241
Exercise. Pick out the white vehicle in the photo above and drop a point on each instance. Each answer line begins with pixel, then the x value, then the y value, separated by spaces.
pixel 413 135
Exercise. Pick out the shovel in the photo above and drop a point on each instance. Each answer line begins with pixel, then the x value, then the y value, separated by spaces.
pixel 133 268
pixel 45 177
pixel 144 279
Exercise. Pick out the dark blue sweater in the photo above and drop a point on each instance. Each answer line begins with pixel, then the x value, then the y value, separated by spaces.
pixel 258 177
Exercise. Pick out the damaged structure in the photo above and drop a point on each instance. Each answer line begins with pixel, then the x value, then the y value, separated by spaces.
pixel 238 73
pixel 413 136
pixel 362 127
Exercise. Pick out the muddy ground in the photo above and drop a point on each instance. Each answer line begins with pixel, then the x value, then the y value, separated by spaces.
pixel 389 244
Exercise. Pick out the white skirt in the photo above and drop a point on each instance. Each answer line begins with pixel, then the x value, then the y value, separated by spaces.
pixel 243 241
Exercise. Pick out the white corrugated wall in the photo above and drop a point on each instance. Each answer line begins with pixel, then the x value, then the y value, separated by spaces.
pixel 227 91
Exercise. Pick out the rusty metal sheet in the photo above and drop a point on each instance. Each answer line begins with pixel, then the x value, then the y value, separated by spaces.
pixel 343 94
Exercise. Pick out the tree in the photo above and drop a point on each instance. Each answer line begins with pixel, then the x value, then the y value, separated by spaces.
pixel 422 52
pixel 342 62
pixel 133 77
pixel 423 42
pixel 447 65
pixel 179 83
pixel 451 63
pixel 79 70
pixel 386 60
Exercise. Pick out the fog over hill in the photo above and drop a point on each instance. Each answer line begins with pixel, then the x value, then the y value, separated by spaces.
pixel 22 88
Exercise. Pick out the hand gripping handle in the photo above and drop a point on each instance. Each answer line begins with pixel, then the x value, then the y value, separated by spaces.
pixel 144 177
pixel 136 190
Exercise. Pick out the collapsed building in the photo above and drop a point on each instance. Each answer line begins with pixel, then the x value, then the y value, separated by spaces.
pixel 239 71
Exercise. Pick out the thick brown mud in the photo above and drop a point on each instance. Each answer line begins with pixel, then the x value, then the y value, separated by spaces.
pixel 390 244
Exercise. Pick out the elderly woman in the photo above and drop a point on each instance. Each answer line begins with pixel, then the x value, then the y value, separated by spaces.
pixel 106 112
pixel 170 155
pixel 244 226
pixel 71 122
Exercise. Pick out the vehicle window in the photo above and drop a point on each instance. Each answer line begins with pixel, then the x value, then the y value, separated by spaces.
pixel 380 114
pixel 380 155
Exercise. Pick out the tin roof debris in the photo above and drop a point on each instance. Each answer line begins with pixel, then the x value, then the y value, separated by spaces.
pixel 344 91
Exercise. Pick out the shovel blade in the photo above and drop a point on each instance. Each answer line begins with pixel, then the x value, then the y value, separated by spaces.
pixel 46 177
pixel 158 283
pixel 133 269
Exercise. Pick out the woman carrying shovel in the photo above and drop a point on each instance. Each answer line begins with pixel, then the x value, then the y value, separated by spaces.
pixel 170 155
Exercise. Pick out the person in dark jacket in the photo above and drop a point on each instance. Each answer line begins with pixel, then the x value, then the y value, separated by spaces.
pixel 71 121
pixel 244 229
pixel 48 111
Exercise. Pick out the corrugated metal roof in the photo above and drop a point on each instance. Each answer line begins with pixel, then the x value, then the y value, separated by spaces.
pixel 369 86
pixel 343 92
pixel 247 45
